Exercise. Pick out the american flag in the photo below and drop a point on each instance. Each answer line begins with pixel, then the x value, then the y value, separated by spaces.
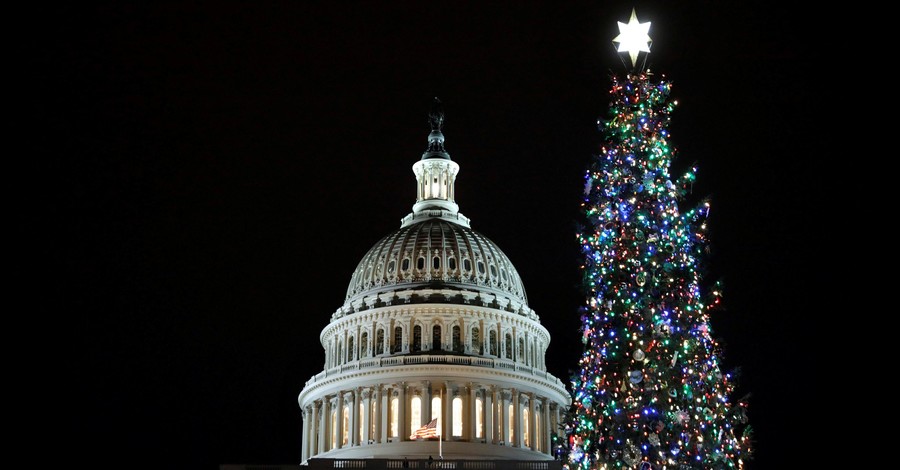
pixel 429 430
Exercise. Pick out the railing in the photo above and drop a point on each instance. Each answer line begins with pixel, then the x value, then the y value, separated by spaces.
pixel 423 464
pixel 378 362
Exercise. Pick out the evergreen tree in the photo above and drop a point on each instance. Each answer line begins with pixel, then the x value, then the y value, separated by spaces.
pixel 648 392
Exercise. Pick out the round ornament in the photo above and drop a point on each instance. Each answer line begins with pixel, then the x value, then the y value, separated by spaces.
pixel 639 355
pixel 641 278
pixel 636 376
pixel 654 439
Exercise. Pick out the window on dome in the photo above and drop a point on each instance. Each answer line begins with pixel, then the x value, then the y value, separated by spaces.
pixel 479 418
pixel 503 274
pixel 435 337
pixel 334 429
pixel 451 264
pixel 521 350
pixel 510 422
pixel 436 262
pixel 417 338
pixel 398 340
pixel 492 337
pixel 493 271
pixel 467 265
pixel 364 344
pixel 480 267
pixel 415 415
pixel 457 343
pixel 509 346
pixel 420 263
pixel 349 349
pixel 391 266
pixel 437 410
pixel 476 340
pixel 345 425
pixel 457 417
pixel 379 341
pixel 525 435
pixel 394 417
pixel 405 265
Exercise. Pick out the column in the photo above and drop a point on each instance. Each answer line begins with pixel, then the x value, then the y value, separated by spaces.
pixel 402 424
pixel 339 422
pixel 517 419
pixel 504 417
pixel 353 432
pixel 304 445
pixel 532 424
pixel 324 426
pixel 365 437
pixel 383 416
pixel 447 414
pixel 426 403
pixel 545 418
pixel 469 431
pixel 488 410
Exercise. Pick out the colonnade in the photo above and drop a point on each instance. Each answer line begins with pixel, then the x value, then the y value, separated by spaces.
pixel 468 412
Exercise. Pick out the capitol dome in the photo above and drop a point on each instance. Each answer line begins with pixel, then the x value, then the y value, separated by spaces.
pixel 435 328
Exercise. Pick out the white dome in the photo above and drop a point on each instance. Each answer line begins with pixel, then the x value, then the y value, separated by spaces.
pixel 436 254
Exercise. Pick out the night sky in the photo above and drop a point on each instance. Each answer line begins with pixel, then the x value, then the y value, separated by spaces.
pixel 214 171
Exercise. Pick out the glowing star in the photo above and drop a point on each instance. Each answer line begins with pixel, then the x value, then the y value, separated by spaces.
pixel 633 37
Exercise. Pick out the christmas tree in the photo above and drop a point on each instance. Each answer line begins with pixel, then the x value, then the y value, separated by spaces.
pixel 648 392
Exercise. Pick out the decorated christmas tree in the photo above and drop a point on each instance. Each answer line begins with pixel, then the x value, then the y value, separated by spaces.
pixel 648 392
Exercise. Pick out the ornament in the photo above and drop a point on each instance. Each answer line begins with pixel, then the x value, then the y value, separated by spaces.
pixel 654 439
pixel 673 393
pixel 639 355
pixel 639 235
pixel 646 466
pixel 682 416
pixel 641 278
pixel 631 455
pixel 653 237
pixel 636 376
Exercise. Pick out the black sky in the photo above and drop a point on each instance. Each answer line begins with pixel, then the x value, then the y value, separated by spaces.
pixel 214 171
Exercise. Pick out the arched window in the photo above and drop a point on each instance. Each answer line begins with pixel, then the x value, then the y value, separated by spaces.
pixel 364 344
pixel 479 418
pixel 509 346
pixel 457 417
pixel 415 415
pixel 420 263
pixel 345 425
pixel 457 343
pixel 451 264
pixel 525 436
pixel 435 337
pixel 437 411
pixel 511 418
pixel 398 340
pixel 492 337
pixel 340 352
pixel 521 354
pixel 379 341
pixel 476 341
pixel 333 429
pixel 395 417
pixel 350 349
pixel 467 265
pixel 417 338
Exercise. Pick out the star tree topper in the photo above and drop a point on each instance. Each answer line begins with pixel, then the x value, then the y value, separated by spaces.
pixel 633 37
